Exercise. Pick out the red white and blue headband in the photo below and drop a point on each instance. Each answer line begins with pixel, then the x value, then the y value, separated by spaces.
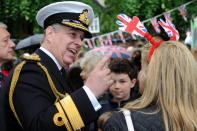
pixel 136 28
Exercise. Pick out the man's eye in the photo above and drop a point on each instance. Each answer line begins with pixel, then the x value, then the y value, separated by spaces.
pixel 6 40
pixel 72 34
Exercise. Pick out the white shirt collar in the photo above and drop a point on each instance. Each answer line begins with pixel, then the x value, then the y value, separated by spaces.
pixel 52 57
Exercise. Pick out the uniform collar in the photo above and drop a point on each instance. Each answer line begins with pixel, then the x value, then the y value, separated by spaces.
pixel 52 57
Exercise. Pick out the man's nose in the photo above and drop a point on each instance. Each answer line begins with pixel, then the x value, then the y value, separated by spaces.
pixel 12 44
pixel 80 42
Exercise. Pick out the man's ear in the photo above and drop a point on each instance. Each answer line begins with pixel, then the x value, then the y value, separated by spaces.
pixel 133 81
pixel 49 33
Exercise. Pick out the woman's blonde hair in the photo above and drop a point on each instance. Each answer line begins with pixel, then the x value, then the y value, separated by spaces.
pixel 144 63
pixel 145 55
pixel 172 83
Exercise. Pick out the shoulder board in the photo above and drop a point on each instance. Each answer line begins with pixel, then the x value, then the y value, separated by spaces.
pixel 32 57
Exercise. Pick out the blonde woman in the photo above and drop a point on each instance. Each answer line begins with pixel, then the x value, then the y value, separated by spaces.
pixel 168 102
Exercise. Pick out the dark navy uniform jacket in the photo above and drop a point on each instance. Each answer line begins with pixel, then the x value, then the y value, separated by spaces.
pixel 34 101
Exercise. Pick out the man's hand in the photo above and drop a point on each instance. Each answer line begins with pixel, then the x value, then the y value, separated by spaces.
pixel 99 79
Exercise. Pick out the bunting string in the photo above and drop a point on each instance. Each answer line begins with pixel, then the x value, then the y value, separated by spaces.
pixel 153 21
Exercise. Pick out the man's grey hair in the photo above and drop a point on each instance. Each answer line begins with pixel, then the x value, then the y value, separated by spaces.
pixel 3 25
pixel 56 27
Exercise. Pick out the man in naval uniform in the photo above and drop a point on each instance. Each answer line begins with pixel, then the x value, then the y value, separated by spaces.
pixel 38 96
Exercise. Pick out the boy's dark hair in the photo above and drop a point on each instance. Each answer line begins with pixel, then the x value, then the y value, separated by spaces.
pixel 136 60
pixel 123 66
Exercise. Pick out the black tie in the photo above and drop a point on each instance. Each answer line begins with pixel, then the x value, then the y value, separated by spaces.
pixel 63 72
pixel 65 78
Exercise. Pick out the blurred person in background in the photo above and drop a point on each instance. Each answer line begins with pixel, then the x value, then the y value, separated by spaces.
pixel 6 49
pixel 8 66
pixel 89 62
pixel 188 39
pixel 194 52
pixel 6 54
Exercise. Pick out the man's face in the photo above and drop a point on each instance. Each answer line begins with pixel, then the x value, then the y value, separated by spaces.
pixel 6 45
pixel 66 44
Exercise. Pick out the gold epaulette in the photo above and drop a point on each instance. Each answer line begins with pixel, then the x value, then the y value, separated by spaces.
pixel 32 57
pixel 68 113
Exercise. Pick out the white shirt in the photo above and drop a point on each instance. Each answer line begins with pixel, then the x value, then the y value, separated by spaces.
pixel 89 93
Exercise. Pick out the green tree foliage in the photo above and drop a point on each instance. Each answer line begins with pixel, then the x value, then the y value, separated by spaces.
pixel 145 9
pixel 20 15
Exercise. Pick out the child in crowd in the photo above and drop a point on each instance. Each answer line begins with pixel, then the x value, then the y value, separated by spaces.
pixel 122 91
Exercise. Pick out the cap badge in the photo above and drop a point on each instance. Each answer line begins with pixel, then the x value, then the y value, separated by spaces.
pixel 84 17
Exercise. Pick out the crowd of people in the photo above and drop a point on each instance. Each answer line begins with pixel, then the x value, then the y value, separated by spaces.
pixel 60 88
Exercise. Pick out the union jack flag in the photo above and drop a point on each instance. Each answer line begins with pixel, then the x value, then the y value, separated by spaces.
pixel 155 24
pixel 132 26
pixel 183 12
pixel 101 41
pixel 170 29
pixel 109 39
pixel 89 44
pixel 121 36
pixel 168 16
